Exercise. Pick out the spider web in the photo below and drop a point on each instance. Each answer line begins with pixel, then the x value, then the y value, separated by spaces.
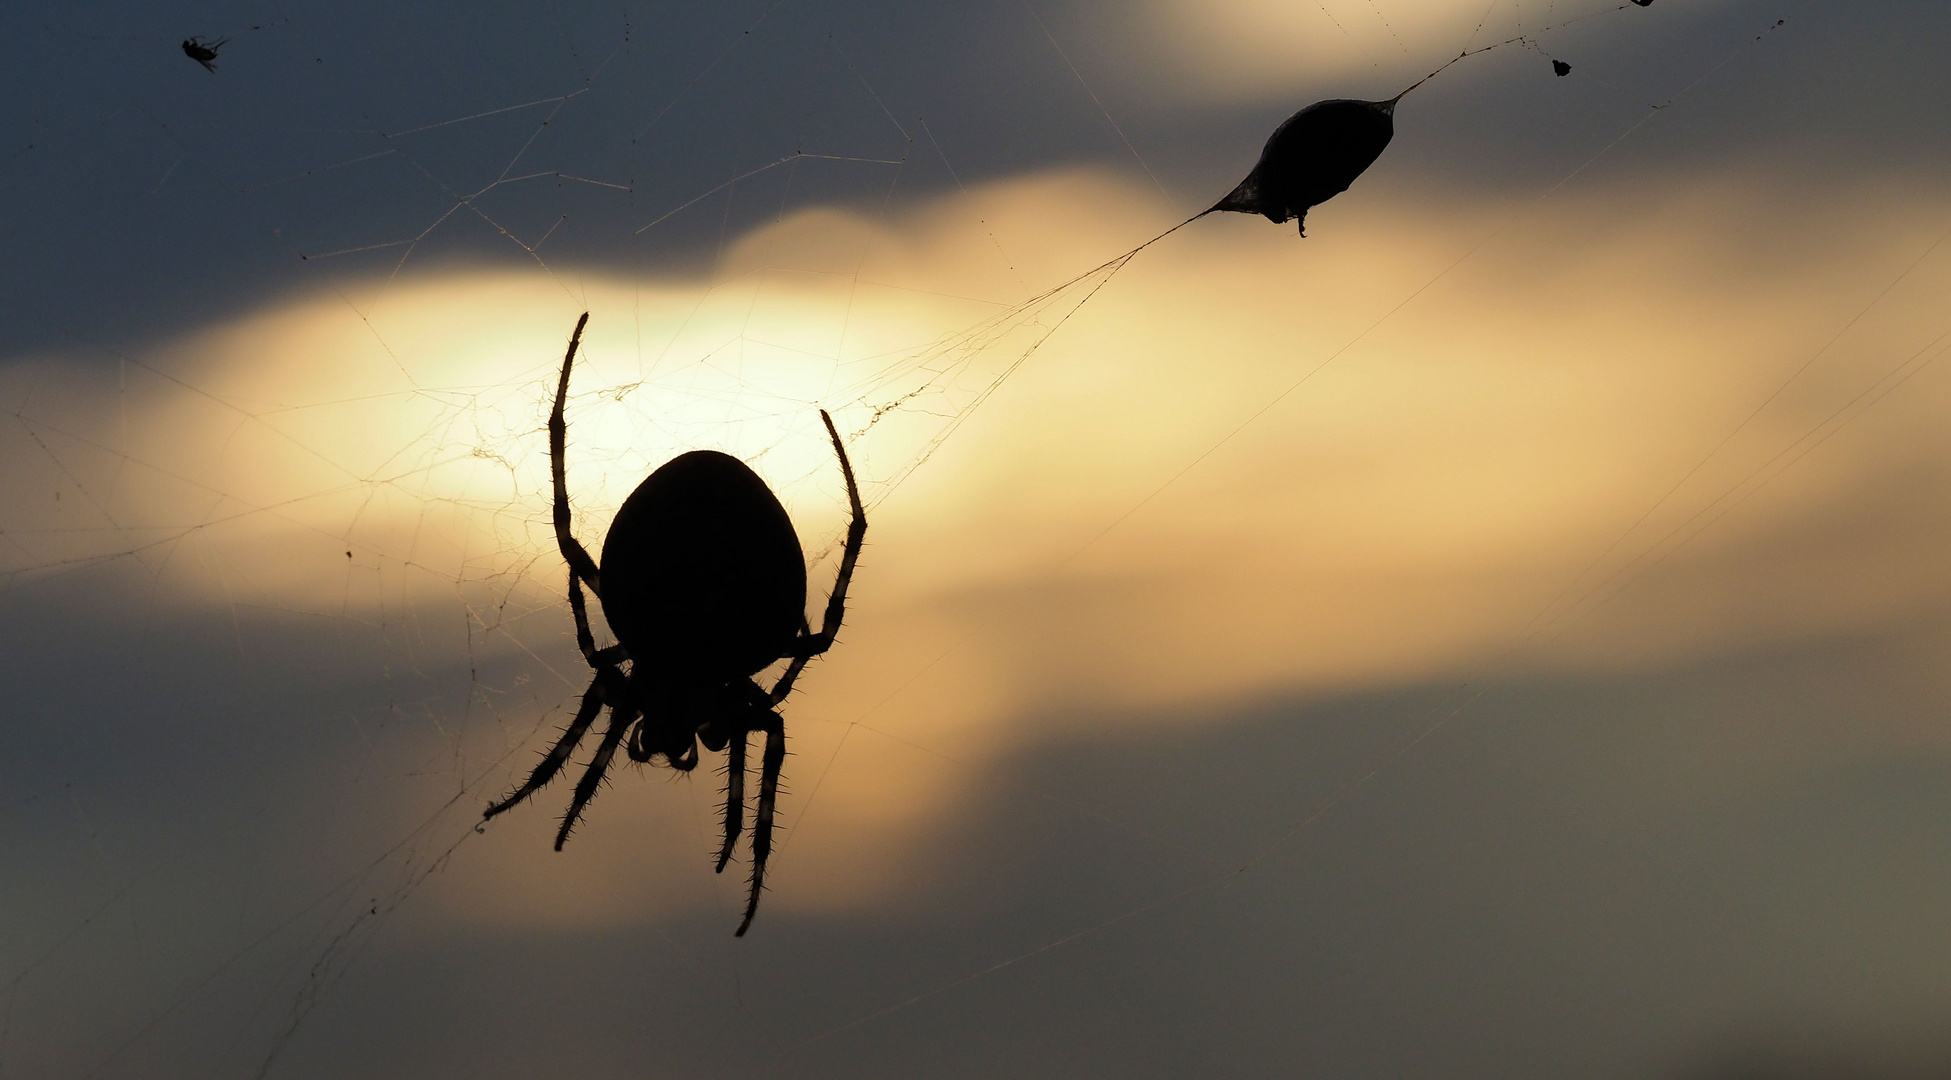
pixel 378 490
pixel 419 551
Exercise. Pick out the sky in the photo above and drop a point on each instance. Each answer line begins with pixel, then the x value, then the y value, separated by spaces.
pixel 1501 633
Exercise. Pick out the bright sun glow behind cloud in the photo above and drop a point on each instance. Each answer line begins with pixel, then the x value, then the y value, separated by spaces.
pixel 1225 50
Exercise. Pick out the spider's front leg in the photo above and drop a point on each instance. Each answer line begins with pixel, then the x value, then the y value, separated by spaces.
pixel 836 602
pixel 791 675
pixel 585 639
pixel 808 644
pixel 573 553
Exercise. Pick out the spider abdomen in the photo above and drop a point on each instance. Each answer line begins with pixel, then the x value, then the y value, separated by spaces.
pixel 703 579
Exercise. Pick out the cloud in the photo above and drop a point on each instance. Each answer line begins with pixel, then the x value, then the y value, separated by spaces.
pixel 1400 450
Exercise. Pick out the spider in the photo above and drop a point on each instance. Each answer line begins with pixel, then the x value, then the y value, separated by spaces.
pixel 204 52
pixel 704 585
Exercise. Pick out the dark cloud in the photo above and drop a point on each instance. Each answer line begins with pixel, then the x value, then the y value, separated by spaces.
pixel 1548 875
pixel 1800 1055
pixel 1572 876
pixel 148 194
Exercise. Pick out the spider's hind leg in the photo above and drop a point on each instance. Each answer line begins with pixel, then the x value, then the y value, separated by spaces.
pixel 734 795
pixel 620 721
pixel 775 758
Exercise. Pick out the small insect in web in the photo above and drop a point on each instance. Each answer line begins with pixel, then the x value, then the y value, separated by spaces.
pixel 203 52
pixel 704 585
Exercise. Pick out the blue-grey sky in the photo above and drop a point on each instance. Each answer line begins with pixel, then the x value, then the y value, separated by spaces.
pixel 1502 634
pixel 141 194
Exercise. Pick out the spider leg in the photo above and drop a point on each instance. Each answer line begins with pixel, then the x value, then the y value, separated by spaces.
pixel 785 684
pixel 836 603
pixel 573 553
pixel 775 757
pixel 552 762
pixel 620 721
pixel 734 795
pixel 585 640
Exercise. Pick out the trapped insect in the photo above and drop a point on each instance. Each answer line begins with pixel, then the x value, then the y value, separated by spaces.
pixel 204 52
pixel 704 585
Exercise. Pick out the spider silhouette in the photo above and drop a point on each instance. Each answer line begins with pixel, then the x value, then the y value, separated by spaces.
pixel 704 585
pixel 204 52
